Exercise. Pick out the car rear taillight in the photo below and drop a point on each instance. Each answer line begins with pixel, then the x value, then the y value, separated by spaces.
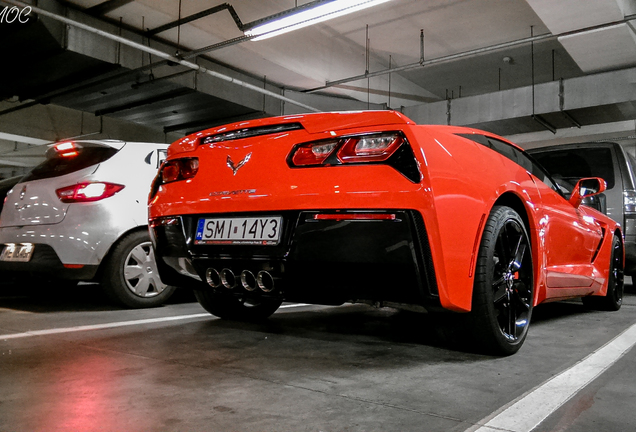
pixel 164 221
pixel 179 169
pixel 629 201
pixel 87 192
pixel 390 148
pixel 369 148
pixel 66 149
pixel 313 153
pixel 355 149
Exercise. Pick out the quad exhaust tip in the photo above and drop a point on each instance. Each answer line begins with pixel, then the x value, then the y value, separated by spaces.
pixel 248 280
pixel 226 278
pixel 265 281
pixel 213 278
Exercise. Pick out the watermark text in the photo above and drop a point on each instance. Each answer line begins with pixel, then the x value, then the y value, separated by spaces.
pixel 14 14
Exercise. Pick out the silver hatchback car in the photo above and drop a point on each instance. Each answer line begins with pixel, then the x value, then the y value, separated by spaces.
pixel 81 215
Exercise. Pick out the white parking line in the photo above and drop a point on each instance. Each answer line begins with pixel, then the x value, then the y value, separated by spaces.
pixel 100 326
pixel 117 324
pixel 528 411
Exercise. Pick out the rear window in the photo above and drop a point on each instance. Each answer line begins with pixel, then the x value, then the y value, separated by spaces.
pixel 56 165
pixel 574 164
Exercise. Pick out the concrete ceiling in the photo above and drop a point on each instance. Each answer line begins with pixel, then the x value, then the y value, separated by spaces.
pixel 477 49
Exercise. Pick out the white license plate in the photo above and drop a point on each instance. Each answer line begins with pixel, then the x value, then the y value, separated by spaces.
pixel 264 230
pixel 17 252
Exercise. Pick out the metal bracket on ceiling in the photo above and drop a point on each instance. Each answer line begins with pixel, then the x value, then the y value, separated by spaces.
pixel 421 47
pixel 543 122
pixel 562 105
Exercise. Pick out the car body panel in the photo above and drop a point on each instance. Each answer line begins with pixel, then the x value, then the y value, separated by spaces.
pixel 461 183
pixel 618 165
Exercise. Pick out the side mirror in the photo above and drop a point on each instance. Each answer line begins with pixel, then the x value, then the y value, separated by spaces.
pixel 587 187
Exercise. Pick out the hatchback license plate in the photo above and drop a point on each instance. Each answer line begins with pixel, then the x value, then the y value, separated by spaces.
pixel 20 252
pixel 265 230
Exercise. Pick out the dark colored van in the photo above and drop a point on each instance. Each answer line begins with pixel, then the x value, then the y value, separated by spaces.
pixel 612 163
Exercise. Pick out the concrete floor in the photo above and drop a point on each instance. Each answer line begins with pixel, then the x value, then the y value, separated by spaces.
pixel 308 368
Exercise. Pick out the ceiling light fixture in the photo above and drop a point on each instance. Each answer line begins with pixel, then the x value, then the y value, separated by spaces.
pixel 306 15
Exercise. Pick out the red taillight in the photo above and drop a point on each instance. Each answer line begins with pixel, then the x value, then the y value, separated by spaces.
pixel 354 216
pixel 313 153
pixel 355 149
pixel 170 172
pixel 376 148
pixel 179 169
pixel 164 221
pixel 88 192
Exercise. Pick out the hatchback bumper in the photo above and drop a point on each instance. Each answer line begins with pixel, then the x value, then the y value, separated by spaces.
pixel 46 263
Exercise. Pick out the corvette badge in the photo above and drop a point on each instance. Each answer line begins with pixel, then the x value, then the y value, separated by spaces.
pixel 236 167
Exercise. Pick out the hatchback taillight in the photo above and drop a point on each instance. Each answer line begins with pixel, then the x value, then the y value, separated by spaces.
pixel 179 169
pixel 67 149
pixel 87 192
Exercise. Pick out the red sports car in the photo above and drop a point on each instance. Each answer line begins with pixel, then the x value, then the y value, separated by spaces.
pixel 370 207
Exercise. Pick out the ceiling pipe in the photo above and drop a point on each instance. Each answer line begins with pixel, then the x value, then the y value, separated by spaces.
pixel 161 54
pixel 196 16
pixel 422 62
pixel 45 99
pixel 471 53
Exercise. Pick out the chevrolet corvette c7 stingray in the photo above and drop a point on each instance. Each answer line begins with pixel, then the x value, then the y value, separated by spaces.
pixel 370 207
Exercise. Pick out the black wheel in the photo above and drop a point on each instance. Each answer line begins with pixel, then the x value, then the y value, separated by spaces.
pixel 130 275
pixel 503 287
pixel 613 300
pixel 235 308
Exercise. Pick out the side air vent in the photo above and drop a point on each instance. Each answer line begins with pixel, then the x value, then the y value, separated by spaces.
pixel 250 132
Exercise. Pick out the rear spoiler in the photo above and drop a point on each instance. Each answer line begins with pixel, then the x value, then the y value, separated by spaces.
pixel 312 123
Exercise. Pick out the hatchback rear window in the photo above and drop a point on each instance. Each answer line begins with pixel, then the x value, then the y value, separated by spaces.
pixel 574 164
pixel 57 165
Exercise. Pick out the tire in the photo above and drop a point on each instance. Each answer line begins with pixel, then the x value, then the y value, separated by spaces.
pixel 130 275
pixel 613 299
pixel 234 308
pixel 503 287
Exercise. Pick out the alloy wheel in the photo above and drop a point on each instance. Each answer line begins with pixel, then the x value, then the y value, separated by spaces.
pixel 512 280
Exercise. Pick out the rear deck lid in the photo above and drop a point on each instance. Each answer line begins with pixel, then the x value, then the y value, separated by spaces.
pixel 315 123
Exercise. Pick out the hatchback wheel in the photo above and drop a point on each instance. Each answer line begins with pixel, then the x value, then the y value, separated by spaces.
pixel 130 275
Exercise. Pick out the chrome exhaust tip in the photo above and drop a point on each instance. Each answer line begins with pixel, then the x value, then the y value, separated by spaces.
pixel 265 281
pixel 228 280
pixel 248 280
pixel 213 278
